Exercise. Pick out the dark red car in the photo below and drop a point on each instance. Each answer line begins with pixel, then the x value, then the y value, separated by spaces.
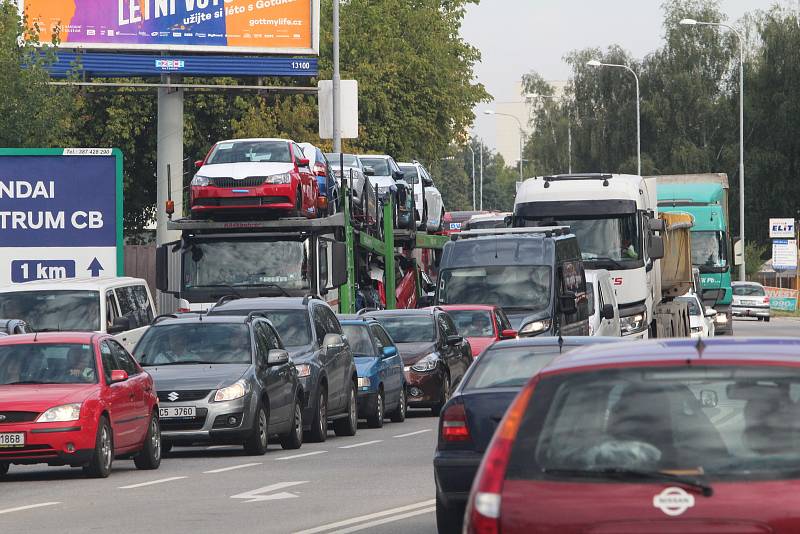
pixel 482 325
pixel 76 399
pixel 252 176
pixel 682 436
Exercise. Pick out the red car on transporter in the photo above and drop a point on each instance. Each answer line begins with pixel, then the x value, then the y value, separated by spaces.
pixel 76 399
pixel 664 436
pixel 255 176
pixel 482 325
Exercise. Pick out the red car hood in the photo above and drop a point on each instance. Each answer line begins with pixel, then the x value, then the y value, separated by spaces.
pixel 479 343
pixel 40 397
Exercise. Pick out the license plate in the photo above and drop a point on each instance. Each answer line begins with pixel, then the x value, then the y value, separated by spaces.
pixel 174 412
pixel 750 302
pixel 12 440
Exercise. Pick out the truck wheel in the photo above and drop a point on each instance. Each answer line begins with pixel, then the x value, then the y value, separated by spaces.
pixel 3 469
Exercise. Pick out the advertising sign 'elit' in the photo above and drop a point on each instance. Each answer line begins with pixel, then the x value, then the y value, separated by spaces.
pixel 781 228
pixel 242 26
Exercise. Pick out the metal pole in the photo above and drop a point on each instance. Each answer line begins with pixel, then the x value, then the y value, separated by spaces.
pixel 521 133
pixel 481 141
pixel 638 128
pixel 469 146
pixel 742 270
pixel 337 111
pixel 569 145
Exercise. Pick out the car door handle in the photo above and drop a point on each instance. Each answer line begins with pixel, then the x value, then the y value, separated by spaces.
pixel 132 396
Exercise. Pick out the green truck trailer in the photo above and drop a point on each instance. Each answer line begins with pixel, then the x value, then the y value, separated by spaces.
pixel 705 197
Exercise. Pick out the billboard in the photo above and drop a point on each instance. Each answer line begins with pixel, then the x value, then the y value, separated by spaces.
pixel 60 214
pixel 241 26
pixel 784 254
pixel 781 228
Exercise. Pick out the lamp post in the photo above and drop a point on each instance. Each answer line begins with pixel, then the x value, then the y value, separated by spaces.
pixel 469 146
pixel 521 134
pixel 596 63
pixel 692 22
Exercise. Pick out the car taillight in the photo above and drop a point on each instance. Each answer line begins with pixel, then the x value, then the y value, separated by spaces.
pixel 766 300
pixel 483 512
pixel 454 423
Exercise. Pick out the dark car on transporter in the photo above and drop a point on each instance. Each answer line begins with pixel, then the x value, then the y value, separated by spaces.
pixel 313 336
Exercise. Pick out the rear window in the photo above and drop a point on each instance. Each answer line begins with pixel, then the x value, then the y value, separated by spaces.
pixel 749 290
pixel 292 325
pixel 409 329
pixel 707 422
pixel 510 367
pixel 473 323
pixel 358 336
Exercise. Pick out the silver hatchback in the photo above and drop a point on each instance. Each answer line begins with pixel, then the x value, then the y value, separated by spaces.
pixel 750 300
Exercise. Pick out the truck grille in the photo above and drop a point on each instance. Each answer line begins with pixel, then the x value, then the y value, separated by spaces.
pixel 250 181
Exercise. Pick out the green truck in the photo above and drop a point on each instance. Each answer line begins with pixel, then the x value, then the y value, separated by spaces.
pixel 705 197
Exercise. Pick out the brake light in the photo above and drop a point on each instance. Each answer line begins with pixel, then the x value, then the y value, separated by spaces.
pixel 454 423
pixel 766 300
pixel 183 310
pixel 483 512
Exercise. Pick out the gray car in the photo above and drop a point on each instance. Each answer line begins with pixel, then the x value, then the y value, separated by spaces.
pixel 750 300
pixel 314 338
pixel 225 380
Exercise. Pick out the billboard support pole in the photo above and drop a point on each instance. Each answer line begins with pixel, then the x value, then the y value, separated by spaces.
pixel 337 79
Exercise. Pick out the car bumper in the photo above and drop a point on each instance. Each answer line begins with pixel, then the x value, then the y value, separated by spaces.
pixel 424 389
pixel 71 443
pixel 212 422
pixel 454 472
pixel 272 196
pixel 750 311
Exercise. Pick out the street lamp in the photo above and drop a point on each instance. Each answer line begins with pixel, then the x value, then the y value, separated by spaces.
pixel 521 134
pixel 597 63
pixel 693 22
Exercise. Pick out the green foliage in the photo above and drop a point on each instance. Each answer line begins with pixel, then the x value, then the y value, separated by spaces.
pixel 754 255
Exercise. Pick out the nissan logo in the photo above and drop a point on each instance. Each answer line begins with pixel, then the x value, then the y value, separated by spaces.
pixel 172 397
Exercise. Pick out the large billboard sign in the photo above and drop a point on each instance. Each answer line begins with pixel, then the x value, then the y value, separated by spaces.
pixel 242 26
pixel 60 214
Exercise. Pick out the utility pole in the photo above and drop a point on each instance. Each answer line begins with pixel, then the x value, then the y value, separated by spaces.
pixel 481 142
pixel 337 83
pixel 469 146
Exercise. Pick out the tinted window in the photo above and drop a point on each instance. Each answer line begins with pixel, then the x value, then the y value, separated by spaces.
pixel 748 290
pixel 694 309
pixel 53 310
pixel 129 307
pixel 509 367
pixel 473 323
pixel 358 336
pixel 590 296
pixel 143 305
pixel 250 151
pixel 108 360
pixel 381 336
pixel 292 325
pixel 111 309
pixel 62 363
pixel 262 340
pixel 409 329
pixel 411 173
pixel 379 165
pixel 195 342
pixel 124 359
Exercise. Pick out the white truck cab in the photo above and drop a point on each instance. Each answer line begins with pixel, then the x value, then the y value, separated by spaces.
pixel 120 306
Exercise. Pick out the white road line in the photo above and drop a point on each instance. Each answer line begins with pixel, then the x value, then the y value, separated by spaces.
pixel 413 433
pixel 385 520
pixel 143 484
pixel 29 507
pixel 361 519
pixel 353 446
pixel 222 470
pixel 301 455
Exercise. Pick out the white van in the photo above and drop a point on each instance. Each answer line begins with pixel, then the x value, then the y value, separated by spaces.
pixel 603 307
pixel 120 306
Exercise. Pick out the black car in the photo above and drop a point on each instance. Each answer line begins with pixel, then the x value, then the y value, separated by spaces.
pixel 435 356
pixel 313 336
pixel 471 415
pixel 224 380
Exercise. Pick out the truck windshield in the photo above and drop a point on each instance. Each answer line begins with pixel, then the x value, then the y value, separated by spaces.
pixel 708 249
pixel 52 311
pixel 246 263
pixel 508 286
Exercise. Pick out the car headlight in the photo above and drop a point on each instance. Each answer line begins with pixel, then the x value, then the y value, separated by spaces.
pixel 633 323
pixel 235 391
pixel 536 327
pixel 428 363
pixel 363 382
pixel 284 178
pixel 303 370
pixel 60 414
pixel 200 181
pixel 721 318
pixel 697 329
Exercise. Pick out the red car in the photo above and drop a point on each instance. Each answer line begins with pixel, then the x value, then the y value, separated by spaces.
pixel 76 399
pixel 481 325
pixel 682 436
pixel 252 176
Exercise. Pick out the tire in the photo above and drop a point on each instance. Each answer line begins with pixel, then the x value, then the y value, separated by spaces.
pixel 99 465
pixel 766 319
pixel 375 418
pixel 319 425
pixel 449 520
pixel 298 204
pixel 258 441
pixel 4 469
pixel 437 408
pixel 348 426
pixel 150 455
pixel 399 415
pixel 294 438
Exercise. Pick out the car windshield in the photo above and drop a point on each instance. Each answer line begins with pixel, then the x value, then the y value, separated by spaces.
pixel 250 152
pixel 411 174
pixel 694 309
pixel 473 323
pixel 246 263
pixel 292 325
pixel 46 311
pixel 614 238
pixel 379 165
pixel 522 287
pixel 708 249
pixel 410 329
pixel 715 422
pixel 748 290
pixel 359 338
pixel 349 159
pixel 509 367
pixel 195 342
pixel 47 363
pixel 590 295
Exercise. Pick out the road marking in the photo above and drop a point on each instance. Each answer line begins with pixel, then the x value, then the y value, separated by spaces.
pixel 379 522
pixel 29 507
pixel 413 433
pixel 353 446
pixel 301 455
pixel 143 484
pixel 376 515
pixel 257 494
pixel 222 470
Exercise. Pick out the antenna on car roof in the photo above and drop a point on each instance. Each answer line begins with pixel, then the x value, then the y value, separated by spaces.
pixel 700 347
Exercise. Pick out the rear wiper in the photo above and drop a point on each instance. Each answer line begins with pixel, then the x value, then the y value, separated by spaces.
pixel 623 472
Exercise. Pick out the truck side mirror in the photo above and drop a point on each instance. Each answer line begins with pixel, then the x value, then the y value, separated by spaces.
pixel 338 272
pixel 567 303
pixel 738 252
pixel 656 247
pixel 607 312
pixel 657 225
pixel 162 268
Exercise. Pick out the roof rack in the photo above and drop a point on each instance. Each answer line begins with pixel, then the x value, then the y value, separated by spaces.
pixel 226 298
pixel 583 176
pixel 362 311
pixel 546 231
pixel 308 298
pixel 253 314
pixel 162 317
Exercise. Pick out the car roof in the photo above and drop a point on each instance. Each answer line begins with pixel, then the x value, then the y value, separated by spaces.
pixel 51 337
pixel 93 284
pixel 352 320
pixel 251 139
pixel 391 313
pixel 383 156
pixel 756 351
pixel 266 303
pixel 552 341
pixel 467 307
pixel 745 283
pixel 197 319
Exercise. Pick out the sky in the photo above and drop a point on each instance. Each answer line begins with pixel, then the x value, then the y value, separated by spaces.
pixel 517 36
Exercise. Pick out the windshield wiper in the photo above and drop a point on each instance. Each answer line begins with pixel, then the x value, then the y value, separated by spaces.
pixel 612 261
pixel 186 362
pixel 623 472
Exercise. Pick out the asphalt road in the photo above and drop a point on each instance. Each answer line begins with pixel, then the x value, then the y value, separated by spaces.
pixel 379 481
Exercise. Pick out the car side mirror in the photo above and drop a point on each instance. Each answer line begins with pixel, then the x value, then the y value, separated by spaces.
pixel 388 352
pixel 567 303
pixel 607 312
pixel 369 171
pixel 120 324
pixel 277 357
pixel 332 341
pixel 454 340
pixel 303 162
pixel 656 247
pixel 508 333
pixel 427 182
pixel 398 175
pixel 508 220
pixel 339 264
pixel 198 163
pixel 710 312
pixel 118 375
